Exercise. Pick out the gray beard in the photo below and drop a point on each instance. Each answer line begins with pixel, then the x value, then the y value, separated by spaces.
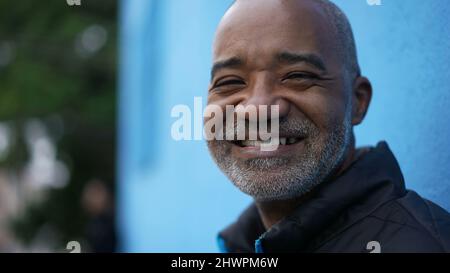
pixel 270 179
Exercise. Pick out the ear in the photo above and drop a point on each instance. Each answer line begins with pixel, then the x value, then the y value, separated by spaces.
pixel 361 97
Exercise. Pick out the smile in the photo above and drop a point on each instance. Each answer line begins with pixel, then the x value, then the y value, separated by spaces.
pixel 259 143
pixel 248 149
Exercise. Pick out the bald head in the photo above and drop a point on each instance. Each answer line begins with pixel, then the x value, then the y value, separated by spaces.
pixel 344 34
pixel 341 29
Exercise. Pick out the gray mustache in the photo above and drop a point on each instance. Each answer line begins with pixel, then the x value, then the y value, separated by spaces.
pixel 287 127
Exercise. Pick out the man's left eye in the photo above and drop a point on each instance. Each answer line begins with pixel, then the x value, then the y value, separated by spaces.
pixel 300 76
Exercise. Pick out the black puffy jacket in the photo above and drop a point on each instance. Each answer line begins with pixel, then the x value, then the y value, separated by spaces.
pixel 366 209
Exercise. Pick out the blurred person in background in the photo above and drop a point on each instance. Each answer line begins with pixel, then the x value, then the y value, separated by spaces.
pixel 98 203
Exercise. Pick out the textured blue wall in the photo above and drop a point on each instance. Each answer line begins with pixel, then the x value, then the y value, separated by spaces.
pixel 172 198
pixel 404 48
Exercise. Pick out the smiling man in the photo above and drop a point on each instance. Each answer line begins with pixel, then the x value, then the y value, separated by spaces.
pixel 316 192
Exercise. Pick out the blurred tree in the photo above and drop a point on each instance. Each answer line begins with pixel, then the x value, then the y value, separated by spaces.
pixel 58 65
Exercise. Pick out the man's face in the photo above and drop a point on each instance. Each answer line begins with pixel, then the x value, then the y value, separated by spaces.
pixel 282 53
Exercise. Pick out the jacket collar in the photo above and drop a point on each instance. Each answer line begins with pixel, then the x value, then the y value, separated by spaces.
pixel 368 183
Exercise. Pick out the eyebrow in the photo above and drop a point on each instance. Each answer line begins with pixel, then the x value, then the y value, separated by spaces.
pixel 283 57
pixel 294 58
pixel 228 63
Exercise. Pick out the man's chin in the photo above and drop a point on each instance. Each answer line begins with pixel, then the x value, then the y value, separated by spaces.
pixel 266 190
pixel 275 183
pixel 269 166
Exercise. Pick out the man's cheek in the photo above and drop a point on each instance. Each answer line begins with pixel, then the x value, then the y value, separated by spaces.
pixel 219 147
pixel 327 113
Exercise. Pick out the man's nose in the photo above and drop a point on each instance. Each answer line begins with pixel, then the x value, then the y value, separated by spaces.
pixel 264 96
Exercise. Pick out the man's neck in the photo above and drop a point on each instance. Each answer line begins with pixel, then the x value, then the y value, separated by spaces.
pixel 271 212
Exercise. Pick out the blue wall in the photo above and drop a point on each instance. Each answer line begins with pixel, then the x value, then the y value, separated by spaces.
pixel 171 196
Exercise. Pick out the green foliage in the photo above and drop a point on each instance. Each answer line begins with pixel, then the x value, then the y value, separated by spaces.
pixel 48 77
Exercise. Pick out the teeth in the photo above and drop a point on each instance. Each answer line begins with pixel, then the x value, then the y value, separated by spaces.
pixel 254 143
pixel 258 143
pixel 249 143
